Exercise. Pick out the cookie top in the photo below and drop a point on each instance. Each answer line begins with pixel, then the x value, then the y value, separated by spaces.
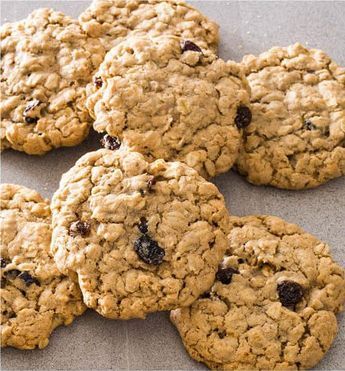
pixel 172 101
pixel 297 136
pixel 46 62
pixel 113 20
pixel 35 297
pixel 272 304
pixel 141 237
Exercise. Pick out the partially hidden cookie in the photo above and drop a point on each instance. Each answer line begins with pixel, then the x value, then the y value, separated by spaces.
pixel 141 237
pixel 297 136
pixel 273 303
pixel 46 62
pixel 173 100
pixel 35 296
pixel 113 20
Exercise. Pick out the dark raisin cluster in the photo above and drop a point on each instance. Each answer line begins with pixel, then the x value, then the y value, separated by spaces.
pixel 79 228
pixel 98 81
pixel 24 276
pixel 290 293
pixel 243 117
pixel 110 142
pixel 147 249
pixel 188 45
pixel 224 275
pixel 308 125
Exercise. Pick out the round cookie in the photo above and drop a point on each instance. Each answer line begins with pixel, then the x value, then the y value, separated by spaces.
pixel 297 136
pixel 273 303
pixel 142 237
pixel 172 101
pixel 35 296
pixel 47 60
pixel 113 20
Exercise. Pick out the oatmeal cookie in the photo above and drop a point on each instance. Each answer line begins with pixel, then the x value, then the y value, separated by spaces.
pixel 46 62
pixel 297 136
pixel 113 20
pixel 173 100
pixel 141 237
pixel 35 296
pixel 273 303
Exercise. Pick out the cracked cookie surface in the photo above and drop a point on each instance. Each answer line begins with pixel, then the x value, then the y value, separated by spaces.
pixel 141 237
pixel 297 136
pixel 35 296
pixel 172 101
pixel 47 60
pixel 113 20
pixel 273 303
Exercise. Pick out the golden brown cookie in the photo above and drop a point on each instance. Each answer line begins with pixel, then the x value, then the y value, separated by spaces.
pixel 297 136
pixel 141 237
pixel 173 100
pixel 35 296
pixel 273 303
pixel 46 62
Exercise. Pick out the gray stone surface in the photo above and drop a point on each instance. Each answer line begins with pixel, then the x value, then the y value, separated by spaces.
pixel 246 27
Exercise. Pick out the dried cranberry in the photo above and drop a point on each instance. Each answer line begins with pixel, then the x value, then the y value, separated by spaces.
pixel 188 45
pixel 79 228
pixel 148 250
pixel 109 142
pixel 290 293
pixel 224 275
pixel 243 117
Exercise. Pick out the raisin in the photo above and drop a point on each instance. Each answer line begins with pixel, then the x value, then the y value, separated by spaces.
pixel 241 261
pixel 290 293
pixel 221 334
pixel 109 142
pixel 188 45
pixel 12 274
pixel 205 295
pixel 4 262
pixel 243 117
pixel 31 120
pixel 79 228
pixel 148 250
pixel 224 275
pixel 143 226
pixel 98 81
pixel 28 279
pixel 309 125
pixel 151 182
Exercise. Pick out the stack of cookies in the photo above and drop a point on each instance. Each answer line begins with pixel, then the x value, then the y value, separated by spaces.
pixel 137 227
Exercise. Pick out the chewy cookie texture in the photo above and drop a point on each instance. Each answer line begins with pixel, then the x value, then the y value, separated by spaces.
pixel 170 99
pixel 297 136
pixel 141 237
pixel 35 296
pixel 113 20
pixel 46 62
pixel 273 303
